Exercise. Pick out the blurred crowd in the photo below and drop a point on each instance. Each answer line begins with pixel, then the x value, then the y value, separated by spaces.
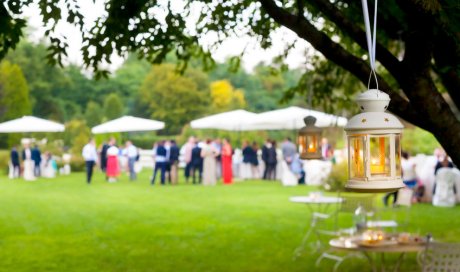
pixel 204 161
pixel 427 179
pixel 30 163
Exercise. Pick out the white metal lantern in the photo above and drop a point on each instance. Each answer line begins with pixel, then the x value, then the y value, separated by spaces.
pixel 374 148
pixel 308 140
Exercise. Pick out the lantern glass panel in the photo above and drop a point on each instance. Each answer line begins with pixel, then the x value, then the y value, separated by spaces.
pixel 312 143
pixel 379 148
pixel 398 155
pixel 356 156
pixel 302 141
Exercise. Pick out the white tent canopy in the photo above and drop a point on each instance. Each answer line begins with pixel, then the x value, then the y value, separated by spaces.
pixel 231 120
pixel 30 124
pixel 291 118
pixel 128 124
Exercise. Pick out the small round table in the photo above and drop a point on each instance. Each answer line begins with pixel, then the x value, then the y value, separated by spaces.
pixel 350 244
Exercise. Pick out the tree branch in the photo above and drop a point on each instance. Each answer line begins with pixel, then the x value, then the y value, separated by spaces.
pixel 445 39
pixel 336 53
pixel 390 62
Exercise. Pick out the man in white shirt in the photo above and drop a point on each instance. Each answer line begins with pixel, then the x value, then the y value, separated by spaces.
pixel 132 154
pixel 89 153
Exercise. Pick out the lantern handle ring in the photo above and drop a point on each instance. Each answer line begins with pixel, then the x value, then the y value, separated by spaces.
pixel 373 73
pixel 371 37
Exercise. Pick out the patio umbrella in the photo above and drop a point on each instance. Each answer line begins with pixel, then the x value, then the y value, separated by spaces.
pixel 128 124
pixel 291 118
pixel 30 124
pixel 232 120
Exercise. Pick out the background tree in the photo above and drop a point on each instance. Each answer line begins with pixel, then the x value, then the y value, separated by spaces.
pixel 93 114
pixel 253 84
pixel 14 92
pixel 45 81
pixel 173 98
pixel 76 135
pixel 14 98
pixel 225 97
pixel 113 107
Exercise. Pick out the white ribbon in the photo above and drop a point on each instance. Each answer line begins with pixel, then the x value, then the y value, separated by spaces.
pixel 371 38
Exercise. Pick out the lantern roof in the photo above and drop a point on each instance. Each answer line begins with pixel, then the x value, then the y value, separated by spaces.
pixel 373 104
pixel 310 125
pixel 373 121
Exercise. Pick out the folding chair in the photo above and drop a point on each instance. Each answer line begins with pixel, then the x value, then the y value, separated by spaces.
pixel 441 257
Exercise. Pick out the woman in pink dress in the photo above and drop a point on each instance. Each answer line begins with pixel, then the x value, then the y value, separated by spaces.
pixel 113 170
pixel 227 162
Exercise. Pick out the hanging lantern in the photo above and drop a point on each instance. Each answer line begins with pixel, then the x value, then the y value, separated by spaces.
pixel 374 148
pixel 309 140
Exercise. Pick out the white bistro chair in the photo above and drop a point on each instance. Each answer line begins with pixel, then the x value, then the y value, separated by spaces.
pixel 444 194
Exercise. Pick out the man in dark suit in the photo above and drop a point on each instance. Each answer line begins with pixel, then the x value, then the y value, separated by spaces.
pixel 160 154
pixel 37 158
pixel 265 157
pixel 104 148
pixel 173 162
pixel 197 163
pixel 15 162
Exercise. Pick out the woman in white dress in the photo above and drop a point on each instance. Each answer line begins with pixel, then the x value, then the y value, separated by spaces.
pixel 209 153
pixel 48 167
pixel 28 163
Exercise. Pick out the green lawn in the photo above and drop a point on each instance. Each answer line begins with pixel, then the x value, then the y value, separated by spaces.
pixel 66 225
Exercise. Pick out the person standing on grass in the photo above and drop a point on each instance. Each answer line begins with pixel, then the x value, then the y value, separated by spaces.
pixel 159 152
pixel 197 163
pixel 16 166
pixel 113 167
pixel 28 163
pixel 188 157
pixel 37 158
pixel 131 153
pixel 104 148
pixel 254 160
pixel 227 154
pixel 271 161
pixel 289 150
pixel 265 148
pixel 168 165
pixel 173 162
pixel 218 147
pixel 209 153
pixel 89 154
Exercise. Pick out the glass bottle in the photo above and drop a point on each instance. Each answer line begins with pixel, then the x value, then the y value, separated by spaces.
pixel 360 218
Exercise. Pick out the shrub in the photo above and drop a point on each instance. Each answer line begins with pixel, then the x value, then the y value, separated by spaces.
pixel 338 177
pixel 417 141
pixel 77 164
pixel 4 161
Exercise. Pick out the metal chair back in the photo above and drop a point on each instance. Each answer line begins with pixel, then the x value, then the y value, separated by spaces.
pixel 442 257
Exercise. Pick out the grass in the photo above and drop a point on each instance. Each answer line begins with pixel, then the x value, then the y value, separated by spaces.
pixel 66 225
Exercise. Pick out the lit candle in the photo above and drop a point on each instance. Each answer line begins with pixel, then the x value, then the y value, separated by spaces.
pixel 376 168
pixel 311 148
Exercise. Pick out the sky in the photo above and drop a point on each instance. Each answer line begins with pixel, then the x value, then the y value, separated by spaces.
pixel 231 47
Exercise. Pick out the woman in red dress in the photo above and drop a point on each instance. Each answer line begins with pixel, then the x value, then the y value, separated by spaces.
pixel 113 170
pixel 226 162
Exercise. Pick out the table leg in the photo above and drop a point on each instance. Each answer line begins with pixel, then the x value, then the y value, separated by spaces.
pixel 321 209
pixel 298 251
pixel 371 261
pixel 398 263
pixel 382 262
